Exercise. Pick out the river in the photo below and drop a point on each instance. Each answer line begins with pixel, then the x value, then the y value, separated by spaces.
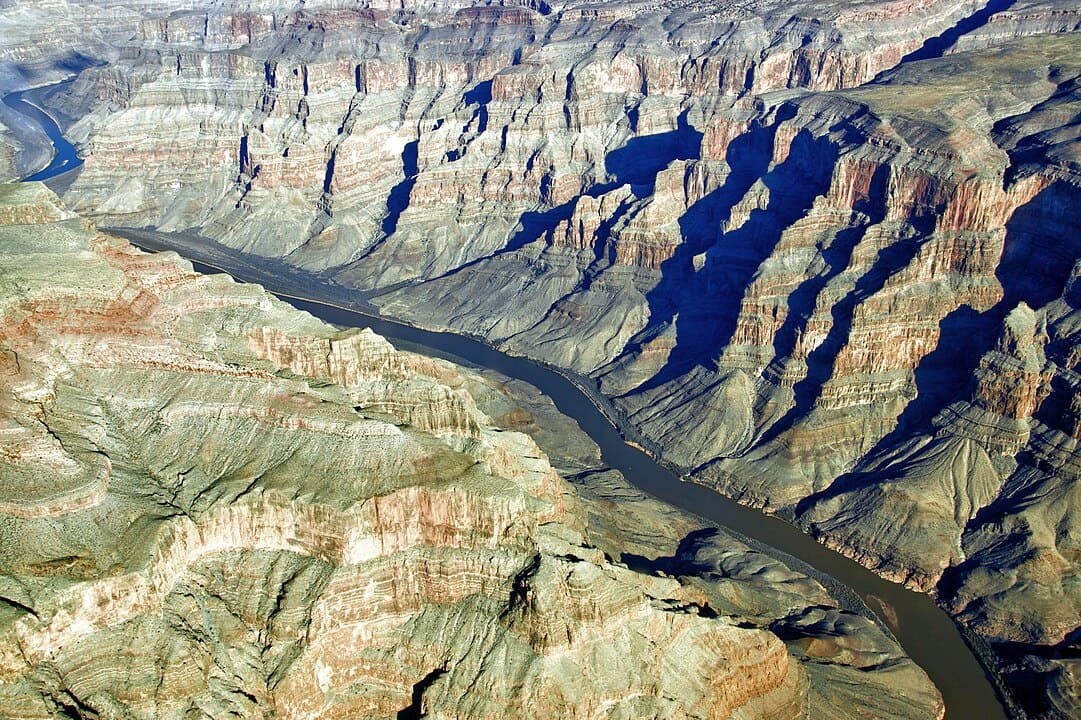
pixel 65 158
pixel 926 632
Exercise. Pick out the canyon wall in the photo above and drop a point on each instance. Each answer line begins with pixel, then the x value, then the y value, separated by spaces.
pixel 212 504
pixel 822 257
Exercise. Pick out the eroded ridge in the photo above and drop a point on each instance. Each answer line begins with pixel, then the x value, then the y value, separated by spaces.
pixel 213 503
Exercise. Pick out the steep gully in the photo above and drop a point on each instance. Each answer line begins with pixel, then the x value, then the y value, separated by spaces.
pixel 927 633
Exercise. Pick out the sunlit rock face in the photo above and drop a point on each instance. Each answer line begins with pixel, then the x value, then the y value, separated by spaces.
pixel 366 133
pixel 212 504
pixel 823 257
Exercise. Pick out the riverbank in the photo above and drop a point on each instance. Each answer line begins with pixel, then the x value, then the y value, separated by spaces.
pixel 340 299
pixel 927 633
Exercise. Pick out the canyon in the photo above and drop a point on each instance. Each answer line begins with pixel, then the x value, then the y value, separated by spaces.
pixel 822 258
pixel 214 504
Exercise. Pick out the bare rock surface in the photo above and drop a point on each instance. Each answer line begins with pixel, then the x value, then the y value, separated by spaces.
pixel 367 134
pixel 853 667
pixel 823 256
pixel 212 504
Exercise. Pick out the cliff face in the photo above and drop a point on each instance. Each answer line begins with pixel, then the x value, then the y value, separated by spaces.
pixel 854 307
pixel 822 257
pixel 211 503
pixel 351 134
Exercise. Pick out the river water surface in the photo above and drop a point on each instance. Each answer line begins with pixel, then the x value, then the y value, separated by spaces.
pixel 926 632
pixel 65 157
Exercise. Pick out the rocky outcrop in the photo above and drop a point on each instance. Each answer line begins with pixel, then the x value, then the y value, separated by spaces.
pixel 212 503
pixel 8 149
pixel 46 42
pixel 851 321
pixel 852 667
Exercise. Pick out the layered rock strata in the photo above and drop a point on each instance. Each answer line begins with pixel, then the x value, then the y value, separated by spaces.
pixel 349 134
pixel 854 308
pixel 214 504
pixel 794 242
pixel 853 668
pixel 9 148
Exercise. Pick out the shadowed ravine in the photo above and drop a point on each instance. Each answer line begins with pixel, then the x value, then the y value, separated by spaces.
pixel 926 632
